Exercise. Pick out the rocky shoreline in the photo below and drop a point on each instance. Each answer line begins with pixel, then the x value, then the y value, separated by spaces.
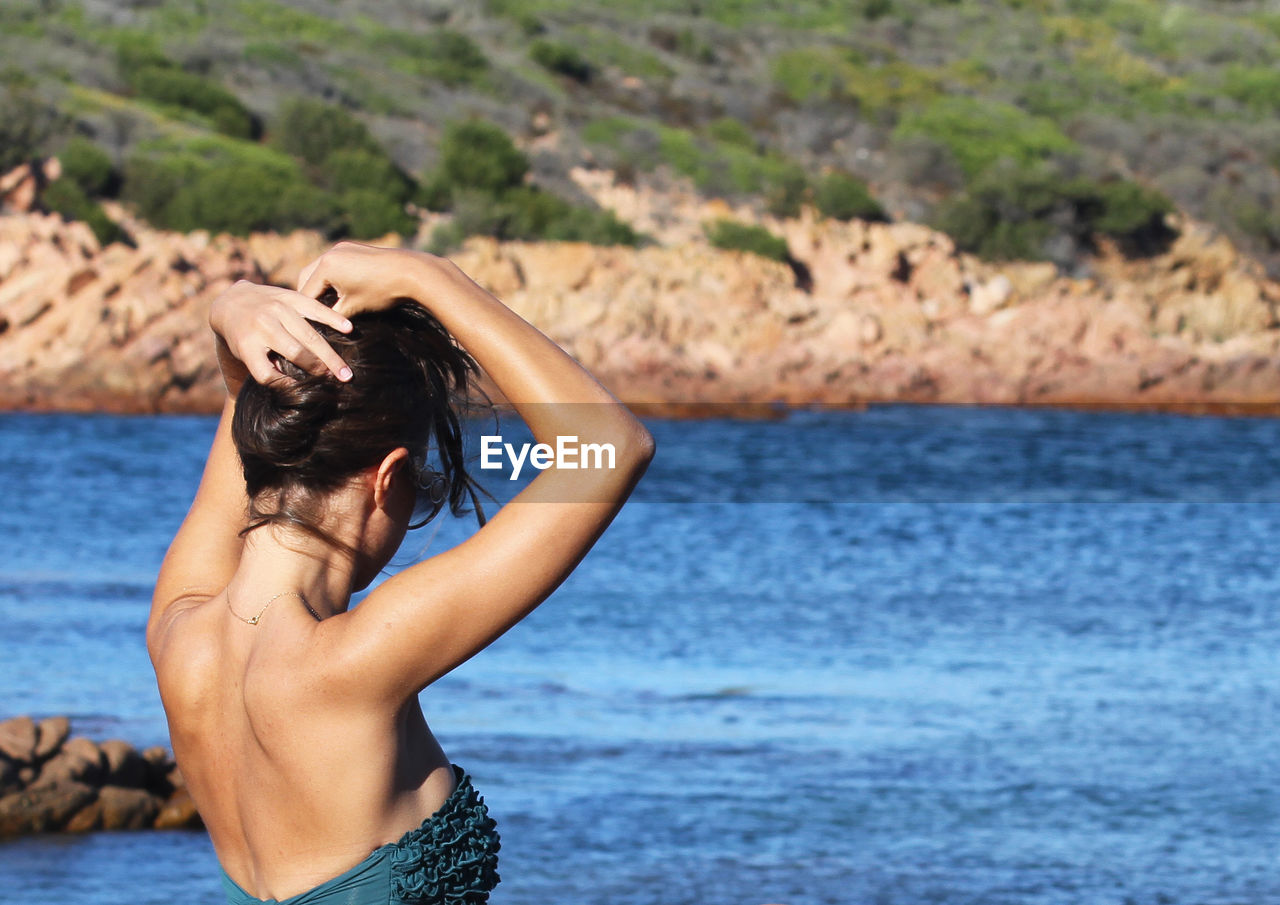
pixel 52 782
pixel 885 313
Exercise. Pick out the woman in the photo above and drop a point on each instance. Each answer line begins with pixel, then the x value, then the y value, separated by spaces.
pixel 294 720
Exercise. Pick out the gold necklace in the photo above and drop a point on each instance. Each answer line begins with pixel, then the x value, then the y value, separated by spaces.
pixel 254 620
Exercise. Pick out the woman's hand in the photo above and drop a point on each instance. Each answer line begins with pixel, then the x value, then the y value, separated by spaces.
pixel 252 321
pixel 367 278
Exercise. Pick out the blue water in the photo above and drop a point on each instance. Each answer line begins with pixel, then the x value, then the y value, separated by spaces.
pixel 909 655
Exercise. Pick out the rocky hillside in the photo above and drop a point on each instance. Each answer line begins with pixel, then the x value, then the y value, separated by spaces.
pixel 864 312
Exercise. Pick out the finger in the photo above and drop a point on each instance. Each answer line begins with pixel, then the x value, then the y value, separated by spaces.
pixel 313 353
pixel 314 283
pixel 314 310
pixel 262 368
pixel 306 273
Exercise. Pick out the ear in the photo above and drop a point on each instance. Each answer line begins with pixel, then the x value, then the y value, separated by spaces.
pixel 396 460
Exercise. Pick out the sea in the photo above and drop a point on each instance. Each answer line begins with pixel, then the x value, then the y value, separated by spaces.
pixel 905 655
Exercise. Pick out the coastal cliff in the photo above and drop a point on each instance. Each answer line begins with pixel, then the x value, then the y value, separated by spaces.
pixel 864 312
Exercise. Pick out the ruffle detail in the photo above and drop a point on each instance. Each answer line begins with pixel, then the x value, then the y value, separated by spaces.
pixel 452 859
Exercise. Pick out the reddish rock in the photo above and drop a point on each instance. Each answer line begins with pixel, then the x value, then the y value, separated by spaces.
pixel 50 735
pixel 87 819
pixel 890 312
pixel 80 760
pixel 127 809
pixel 124 765
pixel 44 808
pixel 18 738
pixel 178 813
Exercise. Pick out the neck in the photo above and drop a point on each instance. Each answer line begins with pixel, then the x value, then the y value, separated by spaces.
pixel 277 559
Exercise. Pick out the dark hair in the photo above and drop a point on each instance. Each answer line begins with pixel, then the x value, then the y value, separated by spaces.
pixel 308 435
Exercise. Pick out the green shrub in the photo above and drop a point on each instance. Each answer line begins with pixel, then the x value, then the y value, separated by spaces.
pixel 302 205
pixel 137 51
pixel 823 73
pixel 441 54
pixel 980 132
pixel 89 167
pixel 842 197
pixel 312 130
pixel 194 93
pixel 1013 213
pixel 562 58
pixel 784 184
pixel 812 73
pixel 528 213
pixel 153 76
pixel 264 19
pixel 197 94
pixel 757 240
pixel 64 196
pixel 875 9
pixel 359 169
pixel 368 214
pixel 682 43
pixel 224 189
pixel 479 155
pixel 730 131
pixel 724 166
pixel 1127 210
pixel 234 200
pixel 536 214
pixel 1255 87
pixel 480 178
pixel 601 47
pixel 525 19
pixel 26 122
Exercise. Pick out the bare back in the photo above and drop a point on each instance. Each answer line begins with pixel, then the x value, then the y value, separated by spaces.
pixel 297 778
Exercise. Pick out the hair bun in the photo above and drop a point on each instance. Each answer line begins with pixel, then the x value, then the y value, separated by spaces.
pixel 282 421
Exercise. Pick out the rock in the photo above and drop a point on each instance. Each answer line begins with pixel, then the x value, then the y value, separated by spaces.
pixel 159 763
pixel 43 809
pixel 87 819
pixel 869 330
pixel 18 739
pixel 892 311
pixel 80 760
pixel 20 187
pixel 178 813
pixel 124 765
pixel 987 297
pixel 50 735
pixel 127 809
pixel 8 776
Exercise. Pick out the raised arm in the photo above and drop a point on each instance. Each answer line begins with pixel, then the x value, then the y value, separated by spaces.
pixel 248 322
pixel 427 619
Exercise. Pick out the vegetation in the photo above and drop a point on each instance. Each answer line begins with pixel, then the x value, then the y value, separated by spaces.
pixel 1021 126
pixel 978 133
pixel 561 58
pixel 1041 213
pixel 153 76
pixel 90 168
pixel 755 240
pixel 843 197
pixel 27 121
pixel 481 180
pixel 66 197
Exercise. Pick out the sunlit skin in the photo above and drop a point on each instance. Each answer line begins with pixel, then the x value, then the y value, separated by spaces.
pixel 302 741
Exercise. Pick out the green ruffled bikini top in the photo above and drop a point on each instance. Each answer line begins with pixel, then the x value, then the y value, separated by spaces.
pixel 451 858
